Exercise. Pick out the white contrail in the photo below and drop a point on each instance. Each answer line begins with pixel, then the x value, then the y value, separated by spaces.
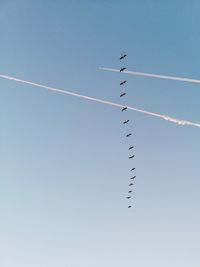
pixel 144 74
pixel 174 120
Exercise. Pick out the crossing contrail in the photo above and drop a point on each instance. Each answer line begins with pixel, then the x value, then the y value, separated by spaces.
pixel 151 75
pixel 165 117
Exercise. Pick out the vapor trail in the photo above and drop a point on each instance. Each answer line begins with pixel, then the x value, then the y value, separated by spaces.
pixel 174 120
pixel 144 74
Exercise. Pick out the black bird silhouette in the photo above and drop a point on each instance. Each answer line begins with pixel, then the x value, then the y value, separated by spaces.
pixel 128 134
pixel 123 56
pixel 132 169
pixel 126 121
pixel 123 82
pixel 123 94
pixel 122 69
pixel 123 109
pixel 133 177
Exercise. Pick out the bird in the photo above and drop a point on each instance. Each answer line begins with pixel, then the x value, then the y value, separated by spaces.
pixel 122 69
pixel 126 121
pixel 122 94
pixel 123 56
pixel 123 82
pixel 123 109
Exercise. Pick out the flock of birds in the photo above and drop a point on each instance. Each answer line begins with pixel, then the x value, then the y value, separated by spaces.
pixel 128 134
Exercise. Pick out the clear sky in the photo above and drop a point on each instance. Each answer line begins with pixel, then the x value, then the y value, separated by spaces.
pixel 64 168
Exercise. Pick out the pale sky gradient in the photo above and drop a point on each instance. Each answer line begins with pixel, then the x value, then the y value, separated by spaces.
pixel 64 167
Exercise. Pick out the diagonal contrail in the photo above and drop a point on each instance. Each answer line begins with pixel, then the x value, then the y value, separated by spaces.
pixel 174 120
pixel 151 75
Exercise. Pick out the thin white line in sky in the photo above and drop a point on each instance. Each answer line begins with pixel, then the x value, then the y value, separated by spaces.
pixel 165 117
pixel 151 75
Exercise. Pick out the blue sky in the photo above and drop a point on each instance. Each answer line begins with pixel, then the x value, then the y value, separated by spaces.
pixel 64 168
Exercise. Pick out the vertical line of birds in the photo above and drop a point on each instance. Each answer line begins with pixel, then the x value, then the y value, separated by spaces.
pixel 128 135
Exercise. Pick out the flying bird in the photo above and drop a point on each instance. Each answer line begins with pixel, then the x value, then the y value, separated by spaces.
pixel 126 121
pixel 122 69
pixel 131 147
pixel 123 109
pixel 122 94
pixel 133 177
pixel 128 134
pixel 123 82
pixel 131 157
pixel 123 56
pixel 132 169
